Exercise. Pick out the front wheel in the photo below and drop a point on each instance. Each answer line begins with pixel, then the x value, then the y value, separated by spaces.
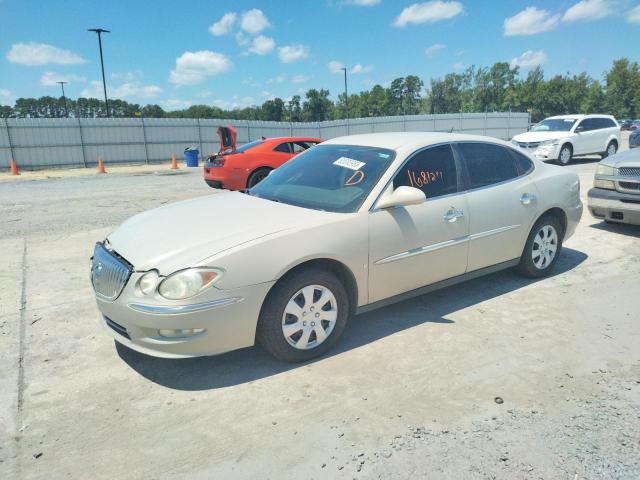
pixel 612 148
pixel 566 152
pixel 303 316
pixel 542 248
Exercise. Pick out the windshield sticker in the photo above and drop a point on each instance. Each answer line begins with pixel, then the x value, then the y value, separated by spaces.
pixel 355 178
pixel 384 155
pixel 349 163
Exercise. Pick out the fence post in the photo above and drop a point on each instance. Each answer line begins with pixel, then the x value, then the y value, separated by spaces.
pixel 6 124
pixel 509 125
pixel 485 123
pixel 199 138
pixel 404 123
pixel 84 154
pixel 291 129
pixel 319 131
pixel 144 138
pixel 248 131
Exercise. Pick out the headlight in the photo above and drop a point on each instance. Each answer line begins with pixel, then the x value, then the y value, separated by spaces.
pixel 605 170
pixel 148 282
pixel 606 184
pixel 187 283
pixel 548 142
pixel 515 143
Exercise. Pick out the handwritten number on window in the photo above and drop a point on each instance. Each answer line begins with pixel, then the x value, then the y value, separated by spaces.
pixel 421 178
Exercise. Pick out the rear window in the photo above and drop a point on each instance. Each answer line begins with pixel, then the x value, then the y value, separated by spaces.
pixel 487 164
pixel 249 145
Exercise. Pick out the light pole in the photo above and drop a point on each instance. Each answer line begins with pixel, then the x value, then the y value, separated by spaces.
pixel 346 95
pixel 66 108
pixel 100 31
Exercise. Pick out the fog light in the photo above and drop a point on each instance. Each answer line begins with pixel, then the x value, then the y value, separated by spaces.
pixel 606 184
pixel 180 332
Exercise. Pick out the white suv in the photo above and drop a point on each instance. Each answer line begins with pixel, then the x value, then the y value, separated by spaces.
pixel 562 137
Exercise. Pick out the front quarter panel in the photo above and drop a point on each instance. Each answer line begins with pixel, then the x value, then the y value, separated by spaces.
pixel 340 237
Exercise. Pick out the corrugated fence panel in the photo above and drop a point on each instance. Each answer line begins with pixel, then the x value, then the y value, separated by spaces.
pixel 60 142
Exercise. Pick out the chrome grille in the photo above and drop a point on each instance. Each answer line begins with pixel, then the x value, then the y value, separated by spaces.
pixel 629 171
pixel 109 274
pixel 529 144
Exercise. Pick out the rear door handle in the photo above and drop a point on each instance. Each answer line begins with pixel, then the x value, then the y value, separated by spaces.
pixel 452 215
pixel 527 199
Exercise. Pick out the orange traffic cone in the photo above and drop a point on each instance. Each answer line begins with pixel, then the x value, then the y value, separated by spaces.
pixel 14 168
pixel 101 166
pixel 174 162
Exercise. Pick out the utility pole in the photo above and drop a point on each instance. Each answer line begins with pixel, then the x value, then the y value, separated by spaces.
pixel 66 107
pixel 100 31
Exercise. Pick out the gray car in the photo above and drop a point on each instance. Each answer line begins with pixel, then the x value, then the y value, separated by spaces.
pixel 615 196
pixel 634 138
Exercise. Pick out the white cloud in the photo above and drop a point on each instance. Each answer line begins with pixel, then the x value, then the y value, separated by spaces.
pixel 529 59
pixel 242 39
pixel 6 97
pixel 428 12
pixel 363 3
pixel 279 79
pixel 530 21
pixel 175 104
pixel 51 79
pixel 300 78
pixel 262 45
pixel 335 66
pixel 358 68
pixel 292 53
pixel 224 25
pixel 633 15
pixel 127 90
pixel 193 67
pixel 33 54
pixel 434 49
pixel 254 21
pixel 588 10
pixel 459 66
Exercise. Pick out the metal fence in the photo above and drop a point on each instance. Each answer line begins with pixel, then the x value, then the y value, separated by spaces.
pixel 37 143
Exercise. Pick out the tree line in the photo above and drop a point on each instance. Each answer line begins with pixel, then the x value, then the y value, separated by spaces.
pixel 476 89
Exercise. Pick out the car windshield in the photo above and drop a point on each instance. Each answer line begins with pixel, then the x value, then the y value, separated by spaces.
pixel 554 125
pixel 335 178
pixel 249 145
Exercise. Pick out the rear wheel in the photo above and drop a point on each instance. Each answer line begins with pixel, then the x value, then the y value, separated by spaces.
pixel 542 248
pixel 566 152
pixel 257 176
pixel 303 316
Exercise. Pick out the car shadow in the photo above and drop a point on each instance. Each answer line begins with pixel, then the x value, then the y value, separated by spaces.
pixel 253 363
pixel 621 228
pixel 585 160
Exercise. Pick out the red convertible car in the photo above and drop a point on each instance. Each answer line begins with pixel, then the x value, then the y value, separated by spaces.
pixel 243 167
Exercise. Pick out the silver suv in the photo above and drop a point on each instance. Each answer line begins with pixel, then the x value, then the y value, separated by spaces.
pixel 615 196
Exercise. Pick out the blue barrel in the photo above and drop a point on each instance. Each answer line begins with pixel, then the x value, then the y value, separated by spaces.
pixel 191 157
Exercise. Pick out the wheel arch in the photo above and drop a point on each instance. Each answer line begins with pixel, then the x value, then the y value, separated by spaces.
pixel 557 212
pixel 342 271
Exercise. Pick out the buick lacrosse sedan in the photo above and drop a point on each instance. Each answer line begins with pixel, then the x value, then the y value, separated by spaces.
pixel 350 225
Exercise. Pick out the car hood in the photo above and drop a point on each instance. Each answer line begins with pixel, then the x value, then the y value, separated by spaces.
pixel 539 136
pixel 183 234
pixel 628 158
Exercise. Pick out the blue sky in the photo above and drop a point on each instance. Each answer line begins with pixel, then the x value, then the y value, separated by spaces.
pixel 234 54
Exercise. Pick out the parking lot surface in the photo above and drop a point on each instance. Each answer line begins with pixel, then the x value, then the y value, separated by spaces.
pixel 501 377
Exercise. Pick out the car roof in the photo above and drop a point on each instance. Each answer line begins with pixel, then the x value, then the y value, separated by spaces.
pixel 580 116
pixel 395 140
pixel 292 139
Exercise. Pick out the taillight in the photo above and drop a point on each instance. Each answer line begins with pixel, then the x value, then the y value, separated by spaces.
pixel 216 161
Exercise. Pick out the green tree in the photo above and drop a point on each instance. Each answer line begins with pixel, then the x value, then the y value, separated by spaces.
pixel 623 89
pixel 317 105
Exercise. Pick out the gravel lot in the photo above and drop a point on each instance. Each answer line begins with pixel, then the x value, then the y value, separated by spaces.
pixel 411 392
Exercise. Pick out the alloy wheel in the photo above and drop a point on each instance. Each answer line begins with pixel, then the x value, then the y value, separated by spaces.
pixel 545 247
pixel 309 317
pixel 565 155
pixel 611 149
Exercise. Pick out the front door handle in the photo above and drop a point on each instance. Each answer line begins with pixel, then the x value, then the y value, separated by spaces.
pixel 527 198
pixel 453 214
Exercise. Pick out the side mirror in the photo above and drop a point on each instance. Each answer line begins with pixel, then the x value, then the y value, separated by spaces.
pixel 579 129
pixel 401 197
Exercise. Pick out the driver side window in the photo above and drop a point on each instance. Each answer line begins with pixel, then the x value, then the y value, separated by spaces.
pixel 432 170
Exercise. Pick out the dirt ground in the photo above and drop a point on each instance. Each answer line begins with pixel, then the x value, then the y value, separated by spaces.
pixel 497 378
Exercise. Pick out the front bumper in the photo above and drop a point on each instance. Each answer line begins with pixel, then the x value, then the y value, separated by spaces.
pixel 229 319
pixel 547 152
pixel 614 206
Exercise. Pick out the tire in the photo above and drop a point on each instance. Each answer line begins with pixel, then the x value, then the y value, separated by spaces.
pixel 288 306
pixel 534 261
pixel 612 148
pixel 257 176
pixel 564 157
